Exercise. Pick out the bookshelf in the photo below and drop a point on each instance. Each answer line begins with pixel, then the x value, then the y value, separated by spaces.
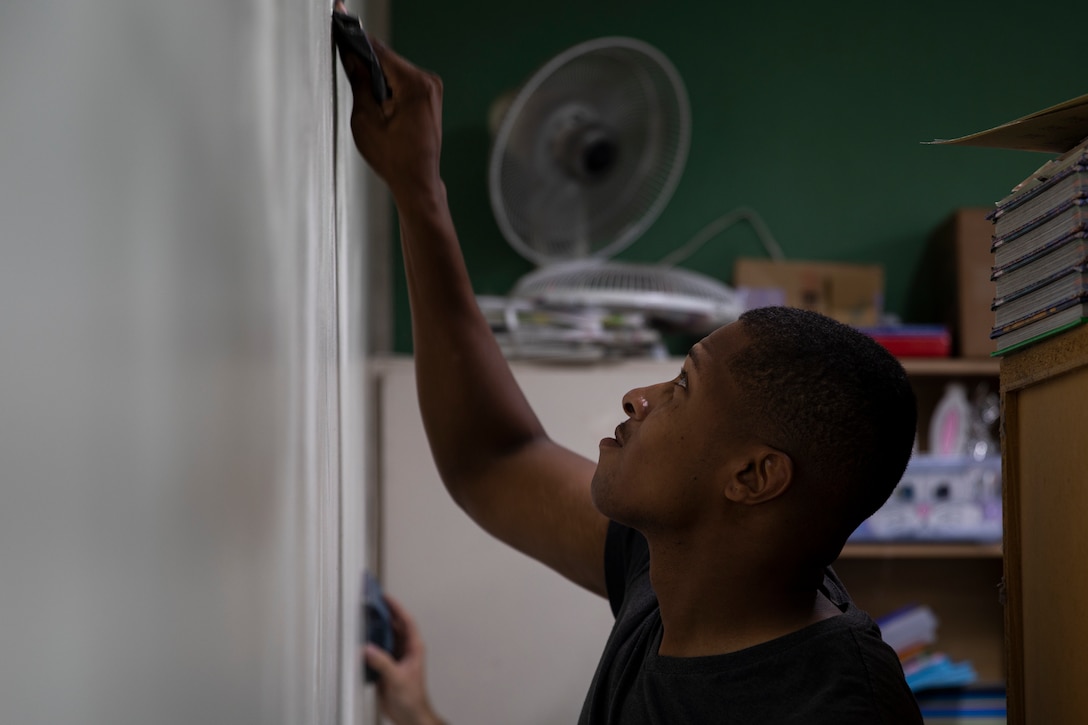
pixel 949 367
pixel 930 375
pixel 912 550
pixel 961 587
pixel 958 580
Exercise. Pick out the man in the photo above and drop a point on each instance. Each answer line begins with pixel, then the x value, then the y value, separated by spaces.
pixel 712 513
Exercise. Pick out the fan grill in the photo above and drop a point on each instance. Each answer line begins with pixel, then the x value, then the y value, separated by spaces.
pixel 633 95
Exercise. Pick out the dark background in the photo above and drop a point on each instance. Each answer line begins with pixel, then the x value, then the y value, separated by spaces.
pixel 812 114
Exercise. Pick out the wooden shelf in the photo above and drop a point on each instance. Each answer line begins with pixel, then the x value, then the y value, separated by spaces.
pixel 951 366
pixel 964 594
pixel 921 550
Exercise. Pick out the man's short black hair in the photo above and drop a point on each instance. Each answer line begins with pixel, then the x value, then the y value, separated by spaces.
pixel 832 398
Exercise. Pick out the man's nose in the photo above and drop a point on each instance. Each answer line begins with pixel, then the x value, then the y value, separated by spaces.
pixel 636 403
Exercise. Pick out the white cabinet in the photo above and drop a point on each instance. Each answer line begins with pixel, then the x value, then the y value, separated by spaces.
pixel 509 641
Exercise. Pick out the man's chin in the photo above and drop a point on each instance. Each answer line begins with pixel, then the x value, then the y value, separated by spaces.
pixel 598 494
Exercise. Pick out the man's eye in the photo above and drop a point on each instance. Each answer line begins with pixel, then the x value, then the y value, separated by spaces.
pixel 682 379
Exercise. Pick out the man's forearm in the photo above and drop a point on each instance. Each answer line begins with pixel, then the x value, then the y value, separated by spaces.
pixel 472 407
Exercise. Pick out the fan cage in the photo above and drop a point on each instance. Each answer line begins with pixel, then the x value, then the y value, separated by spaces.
pixel 634 89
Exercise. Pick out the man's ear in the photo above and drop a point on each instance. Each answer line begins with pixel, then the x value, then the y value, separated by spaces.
pixel 764 474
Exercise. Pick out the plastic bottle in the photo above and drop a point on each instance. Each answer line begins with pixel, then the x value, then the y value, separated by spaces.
pixel 950 426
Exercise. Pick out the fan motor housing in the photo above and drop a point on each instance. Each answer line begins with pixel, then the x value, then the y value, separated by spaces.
pixel 585 148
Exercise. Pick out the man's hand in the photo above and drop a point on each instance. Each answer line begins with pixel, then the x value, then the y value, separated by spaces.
pixel 401 688
pixel 401 138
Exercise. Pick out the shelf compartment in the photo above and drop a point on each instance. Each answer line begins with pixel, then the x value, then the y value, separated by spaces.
pixel 951 366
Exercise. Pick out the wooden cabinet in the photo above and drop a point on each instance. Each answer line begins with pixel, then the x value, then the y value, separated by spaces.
pixel 1044 392
pixel 959 581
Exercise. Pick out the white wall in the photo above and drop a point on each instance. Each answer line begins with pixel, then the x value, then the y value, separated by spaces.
pixel 180 308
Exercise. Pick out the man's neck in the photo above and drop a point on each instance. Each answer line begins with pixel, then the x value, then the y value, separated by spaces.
pixel 718 607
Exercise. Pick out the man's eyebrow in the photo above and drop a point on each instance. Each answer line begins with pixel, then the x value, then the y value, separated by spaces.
pixel 693 355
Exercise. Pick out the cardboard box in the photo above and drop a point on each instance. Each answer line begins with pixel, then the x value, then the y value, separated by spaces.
pixel 953 286
pixel 850 293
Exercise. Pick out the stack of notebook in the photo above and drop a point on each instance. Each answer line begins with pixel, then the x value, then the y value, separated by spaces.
pixel 912 633
pixel 1040 240
pixel 1040 249
pixel 970 705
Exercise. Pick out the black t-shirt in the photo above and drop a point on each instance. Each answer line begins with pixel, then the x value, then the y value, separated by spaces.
pixel 837 671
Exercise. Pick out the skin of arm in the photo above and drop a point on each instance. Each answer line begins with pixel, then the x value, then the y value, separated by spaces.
pixel 490 449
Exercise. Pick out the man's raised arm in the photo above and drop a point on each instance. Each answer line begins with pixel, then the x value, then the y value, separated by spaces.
pixel 490 449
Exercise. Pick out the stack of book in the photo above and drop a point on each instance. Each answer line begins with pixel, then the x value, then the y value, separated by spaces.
pixel 1039 245
pixel 971 705
pixel 1040 249
pixel 912 633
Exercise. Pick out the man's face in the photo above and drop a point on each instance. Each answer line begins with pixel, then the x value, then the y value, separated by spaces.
pixel 662 468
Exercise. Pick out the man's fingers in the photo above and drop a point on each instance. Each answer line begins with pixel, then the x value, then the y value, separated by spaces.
pixel 396 608
pixel 378 659
pixel 398 70
pixel 355 69
pixel 409 640
pixel 402 620
pixel 356 60
pixel 363 103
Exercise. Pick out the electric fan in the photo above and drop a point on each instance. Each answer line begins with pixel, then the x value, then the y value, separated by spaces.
pixel 585 157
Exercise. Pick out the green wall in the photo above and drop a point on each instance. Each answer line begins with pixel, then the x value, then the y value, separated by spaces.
pixel 810 113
